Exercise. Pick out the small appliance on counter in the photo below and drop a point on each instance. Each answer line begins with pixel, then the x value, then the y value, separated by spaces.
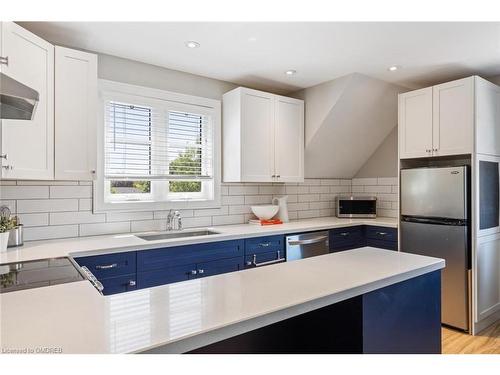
pixel 350 206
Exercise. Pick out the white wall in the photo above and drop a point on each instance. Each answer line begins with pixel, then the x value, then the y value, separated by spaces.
pixel 136 73
pixel 384 161
pixel 347 119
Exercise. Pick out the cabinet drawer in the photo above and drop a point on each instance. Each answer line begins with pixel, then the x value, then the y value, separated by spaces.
pixel 119 284
pixel 264 244
pixel 190 254
pixel 109 265
pixel 165 276
pixel 389 245
pixel 381 233
pixel 219 266
pixel 263 257
pixel 346 238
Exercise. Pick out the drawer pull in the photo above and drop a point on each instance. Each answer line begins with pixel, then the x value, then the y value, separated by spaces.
pixel 106 266
pixel 264 244
pixel 344 234
pixel 382 233
pixel 254 263
pixel 132 283
pixel 201 271
pixel 194 272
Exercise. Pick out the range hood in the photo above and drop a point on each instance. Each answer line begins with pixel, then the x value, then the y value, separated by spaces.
pixel 17 101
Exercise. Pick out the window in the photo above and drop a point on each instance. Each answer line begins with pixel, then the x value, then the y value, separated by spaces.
pixel 160 150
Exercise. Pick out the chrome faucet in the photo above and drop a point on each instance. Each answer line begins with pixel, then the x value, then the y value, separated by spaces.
pixel 174 221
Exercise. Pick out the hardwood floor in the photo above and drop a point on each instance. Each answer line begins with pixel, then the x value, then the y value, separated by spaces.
pixel 487 342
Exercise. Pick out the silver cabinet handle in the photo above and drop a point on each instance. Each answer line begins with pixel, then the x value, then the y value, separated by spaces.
pixel 4 60
pixel 194 272
pixel 382 233
pixel 201 271
pixel 132 283
pixel 106 266
pixel 308 241
pixel 264 244
pixel 344 234
pixel 269 262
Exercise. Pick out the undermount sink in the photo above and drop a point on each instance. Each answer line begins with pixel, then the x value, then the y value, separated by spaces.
pixel 177 234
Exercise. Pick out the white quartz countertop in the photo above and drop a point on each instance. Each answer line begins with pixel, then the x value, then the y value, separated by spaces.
pixel 75 318
pixel 125 242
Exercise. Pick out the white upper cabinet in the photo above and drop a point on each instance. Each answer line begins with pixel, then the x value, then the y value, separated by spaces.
pixel 27 146
pixel 415 123
pixel 263 137
pixel 487 117
pixel 257 136
pixel 75 114
pixel 453 117
pixel 438 120
pixel 289 135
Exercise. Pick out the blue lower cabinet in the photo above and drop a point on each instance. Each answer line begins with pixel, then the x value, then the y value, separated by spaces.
pixel 119 284
pixel 346 238
pixel 265 244
pixel 109 265
pixel 218 267
pixel 381 237
pixel 388 245
pixel 190 254
pixel 263 259
pixel 165 275
pixel 185 272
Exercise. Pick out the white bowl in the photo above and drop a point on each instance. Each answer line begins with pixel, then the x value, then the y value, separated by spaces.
pixel 265 212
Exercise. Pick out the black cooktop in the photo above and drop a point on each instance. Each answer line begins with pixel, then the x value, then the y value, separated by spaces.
pixel 37 273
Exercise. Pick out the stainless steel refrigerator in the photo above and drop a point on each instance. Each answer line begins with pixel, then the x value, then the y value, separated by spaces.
pixel 435 222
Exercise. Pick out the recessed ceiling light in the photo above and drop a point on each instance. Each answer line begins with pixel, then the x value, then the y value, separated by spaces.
pixel 290 72
pixel 192 44
pixel 393 68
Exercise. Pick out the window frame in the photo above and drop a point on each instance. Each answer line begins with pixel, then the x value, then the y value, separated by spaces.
pixel 126 92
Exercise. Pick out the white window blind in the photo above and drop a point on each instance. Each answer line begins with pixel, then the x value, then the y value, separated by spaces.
pixel 145 142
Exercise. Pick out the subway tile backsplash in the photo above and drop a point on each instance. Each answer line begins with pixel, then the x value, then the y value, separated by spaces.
pixel 62 209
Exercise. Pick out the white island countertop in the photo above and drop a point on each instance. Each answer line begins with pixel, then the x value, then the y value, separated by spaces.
pixel 75 318
pixel 126 242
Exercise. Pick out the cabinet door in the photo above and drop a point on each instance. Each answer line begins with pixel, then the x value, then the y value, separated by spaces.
pixel 257 136
pixel 289 139
pixel 75 114
pixel 488 276
pixel 415 123
pixel 487 117
pixel 453 117
pixel 29 144
pixel 218 267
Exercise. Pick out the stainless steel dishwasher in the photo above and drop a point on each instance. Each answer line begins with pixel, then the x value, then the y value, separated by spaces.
pixel 306 245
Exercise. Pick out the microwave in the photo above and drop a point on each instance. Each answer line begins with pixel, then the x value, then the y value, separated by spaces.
pixel 356 206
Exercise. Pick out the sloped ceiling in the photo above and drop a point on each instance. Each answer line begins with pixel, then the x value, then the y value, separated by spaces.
pixel 346 121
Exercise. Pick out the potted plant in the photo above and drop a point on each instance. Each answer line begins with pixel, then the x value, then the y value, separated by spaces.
pixel 6 224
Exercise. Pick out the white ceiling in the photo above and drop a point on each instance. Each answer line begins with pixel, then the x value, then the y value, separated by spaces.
pixel 258 54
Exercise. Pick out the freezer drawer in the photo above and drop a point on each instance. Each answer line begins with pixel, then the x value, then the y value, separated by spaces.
pixel 449 243
pixel 434 192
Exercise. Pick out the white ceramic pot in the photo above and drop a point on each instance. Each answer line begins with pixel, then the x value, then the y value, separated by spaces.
pixel 4 239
